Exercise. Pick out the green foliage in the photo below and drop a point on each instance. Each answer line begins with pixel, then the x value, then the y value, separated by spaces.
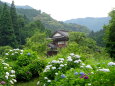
pixel 30 13
pixel 7 75
pixel 23 74
pixel 14 20
pixel 110 32
pixel 38 42
pixel 98 37
pixel 7 35
pixel 36 67
pixel 77 37
pixel 26 58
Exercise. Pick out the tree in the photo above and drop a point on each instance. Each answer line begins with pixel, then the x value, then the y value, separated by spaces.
pixel 7 36
pixel 110 34
pixel 15 22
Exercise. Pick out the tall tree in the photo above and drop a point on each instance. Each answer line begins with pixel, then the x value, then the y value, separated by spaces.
pixel 15 22
pixel 7 36
pixel 110 34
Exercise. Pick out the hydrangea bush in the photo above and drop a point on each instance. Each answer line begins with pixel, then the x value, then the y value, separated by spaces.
pixel 72 71
pixel 62 65
pixel 7 75
pixel 13 54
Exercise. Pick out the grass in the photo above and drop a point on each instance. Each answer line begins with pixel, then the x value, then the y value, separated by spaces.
pixel 30 83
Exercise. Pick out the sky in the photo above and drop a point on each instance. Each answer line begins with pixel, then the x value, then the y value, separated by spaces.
pixel 62 10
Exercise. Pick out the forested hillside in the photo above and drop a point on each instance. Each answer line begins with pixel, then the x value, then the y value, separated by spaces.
pixel 48 21
pixel 94 24
pixel 53 25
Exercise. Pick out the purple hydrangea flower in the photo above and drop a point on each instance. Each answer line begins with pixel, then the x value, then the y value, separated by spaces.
pixel 63 76
pixel 2 82
pixel 86 77
pixel 76 73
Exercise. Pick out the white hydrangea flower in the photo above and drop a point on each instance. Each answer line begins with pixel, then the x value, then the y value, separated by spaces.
pixel 61 65
pixel 7 74
pixel 12 75
pixel 88 66
pixel 49 81
pixel 53 68
pixel 76 61
pixel 16 52
pixel 48 66
pixel 62 59
pixel 82 64
pixel 12 71
pixel 77 56
pixel 21 50
pixel 79 60
pixel 111 64
pixel 72 54
pixel 14 80
pixel 5 67
pixel 60 68
pixel 6 54
pixel 12 54
pixel 11 50
pixel 104 70
pixel 45 77
pixel 38 82
pixel 69 59
pixel 54 61
pixel 89 83
pixel 17 49
pixel 6 77
pixel 56 73
pixel 11 82
pixel 65 64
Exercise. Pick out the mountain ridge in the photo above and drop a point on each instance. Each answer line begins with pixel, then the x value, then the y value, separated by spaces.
pixel 93 23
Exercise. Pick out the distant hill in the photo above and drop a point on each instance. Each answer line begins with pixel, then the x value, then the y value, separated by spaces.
pixel 54 25
pixel 24 7
pixel 94 24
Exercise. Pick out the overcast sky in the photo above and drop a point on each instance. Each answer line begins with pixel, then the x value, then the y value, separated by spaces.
pixel 69 9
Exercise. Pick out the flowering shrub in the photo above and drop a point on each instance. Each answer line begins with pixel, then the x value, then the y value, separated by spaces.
pixel 71 71
pixel 13 54
pixel 7 75
pixel 62 65
pixel 26 58
pixel 82 77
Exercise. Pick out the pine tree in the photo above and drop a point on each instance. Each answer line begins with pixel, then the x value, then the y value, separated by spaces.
pixel 7 36
pixel 110 35
pixel 14 19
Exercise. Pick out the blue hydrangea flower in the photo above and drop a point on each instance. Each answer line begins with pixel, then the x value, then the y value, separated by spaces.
pixel 81 73
pixel 63 76
pixel 28 54
pixel 76 73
